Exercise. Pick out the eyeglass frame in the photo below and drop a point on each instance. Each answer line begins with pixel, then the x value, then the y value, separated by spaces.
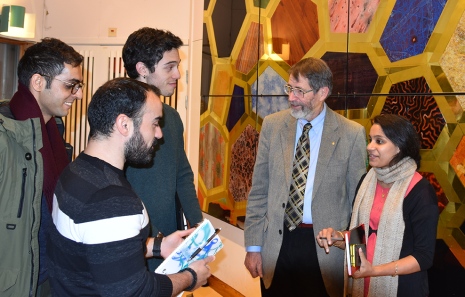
pixel 288 89
pixel 71 85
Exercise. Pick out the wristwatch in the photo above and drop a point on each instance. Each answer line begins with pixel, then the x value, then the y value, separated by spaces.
pixel 156 250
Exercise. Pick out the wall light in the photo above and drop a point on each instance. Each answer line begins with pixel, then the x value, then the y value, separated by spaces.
pixel 15 22
pixel 12 16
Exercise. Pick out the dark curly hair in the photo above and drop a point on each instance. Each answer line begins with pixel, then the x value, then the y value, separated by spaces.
pixel 147 45
pixel 402 133
pixel 118 96
pixel 48 58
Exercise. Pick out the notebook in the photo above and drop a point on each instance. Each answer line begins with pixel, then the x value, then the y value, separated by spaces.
pixel 201 243
pixel 354 240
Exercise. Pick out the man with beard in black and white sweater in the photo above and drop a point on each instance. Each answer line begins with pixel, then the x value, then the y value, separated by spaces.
pixel 99 241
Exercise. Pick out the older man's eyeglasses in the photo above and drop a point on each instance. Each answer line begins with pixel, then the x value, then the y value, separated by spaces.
pixel 73 86
pixel 298 92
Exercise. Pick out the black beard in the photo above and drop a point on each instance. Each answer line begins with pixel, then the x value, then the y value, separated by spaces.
pixel 136 150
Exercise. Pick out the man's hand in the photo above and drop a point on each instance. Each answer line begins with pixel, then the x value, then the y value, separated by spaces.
pixel 253 263
pixel 172 241
pixel 202 269
pixel 185 279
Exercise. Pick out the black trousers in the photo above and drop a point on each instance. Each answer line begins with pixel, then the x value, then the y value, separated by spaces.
pixel 297 270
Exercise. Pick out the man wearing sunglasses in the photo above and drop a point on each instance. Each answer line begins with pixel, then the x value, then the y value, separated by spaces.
pixel 32 156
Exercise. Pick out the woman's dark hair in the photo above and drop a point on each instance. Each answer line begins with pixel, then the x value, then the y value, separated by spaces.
pixel 402 133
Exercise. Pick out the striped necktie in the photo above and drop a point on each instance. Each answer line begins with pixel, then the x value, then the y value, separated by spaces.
pixel 295 205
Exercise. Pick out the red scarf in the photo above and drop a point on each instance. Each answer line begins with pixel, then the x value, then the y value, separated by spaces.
pixel 24 106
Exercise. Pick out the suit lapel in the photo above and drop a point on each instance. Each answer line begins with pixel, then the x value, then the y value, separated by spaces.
pixel 329 140
pixel 287 136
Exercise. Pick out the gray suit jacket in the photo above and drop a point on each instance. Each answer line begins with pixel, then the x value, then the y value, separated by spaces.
pixel 341 163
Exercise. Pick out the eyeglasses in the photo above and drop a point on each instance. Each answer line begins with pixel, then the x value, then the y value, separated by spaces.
pixel 73 86
pixel 298 92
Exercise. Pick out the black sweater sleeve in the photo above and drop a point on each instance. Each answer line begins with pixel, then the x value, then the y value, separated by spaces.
pixel 421 215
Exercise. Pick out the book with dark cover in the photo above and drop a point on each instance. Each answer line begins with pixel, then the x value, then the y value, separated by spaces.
pixel 354 239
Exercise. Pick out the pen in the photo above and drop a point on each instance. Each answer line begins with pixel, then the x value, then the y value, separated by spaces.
pixel 333 238
pixel 197 251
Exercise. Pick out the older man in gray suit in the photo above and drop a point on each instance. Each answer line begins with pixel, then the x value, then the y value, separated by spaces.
pixel 283 253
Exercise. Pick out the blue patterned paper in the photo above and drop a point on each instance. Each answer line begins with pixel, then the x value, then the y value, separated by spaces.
pixel 179 259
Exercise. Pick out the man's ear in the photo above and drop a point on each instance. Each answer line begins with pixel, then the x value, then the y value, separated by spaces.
pixel 323 92
pixel 142 69
pixel 123 125
pixel 37 83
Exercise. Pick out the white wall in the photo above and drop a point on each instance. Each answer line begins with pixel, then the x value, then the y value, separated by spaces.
pixel 87 21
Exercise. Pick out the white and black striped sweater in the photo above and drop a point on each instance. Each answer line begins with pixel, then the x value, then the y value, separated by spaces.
pixel 97 243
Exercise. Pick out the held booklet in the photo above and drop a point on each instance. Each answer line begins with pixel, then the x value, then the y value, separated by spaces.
pixel 201 243
pixel 354 239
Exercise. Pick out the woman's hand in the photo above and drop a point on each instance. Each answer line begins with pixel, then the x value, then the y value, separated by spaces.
pixel 402 266
pixel 329 237
pixel 366 269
